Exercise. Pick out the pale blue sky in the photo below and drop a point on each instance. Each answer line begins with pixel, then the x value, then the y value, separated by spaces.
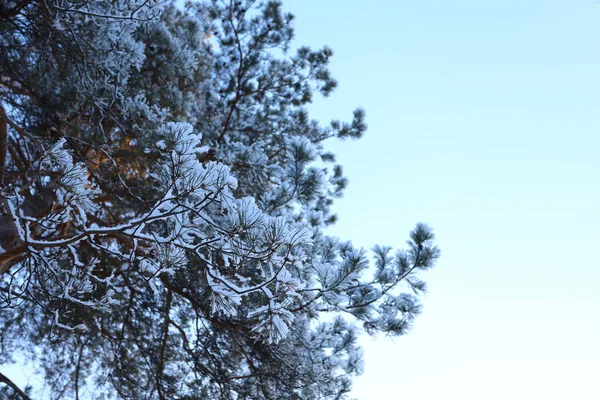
pixel 484 121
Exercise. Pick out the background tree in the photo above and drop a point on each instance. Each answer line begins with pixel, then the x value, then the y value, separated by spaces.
pixel 164 195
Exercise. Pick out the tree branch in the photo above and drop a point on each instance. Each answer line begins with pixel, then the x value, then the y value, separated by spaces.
pixel 4 379
pixel 3 141
pixel 6 14
pixel 163 346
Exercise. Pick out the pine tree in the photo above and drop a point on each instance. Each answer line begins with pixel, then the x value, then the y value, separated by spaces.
pixel 164 196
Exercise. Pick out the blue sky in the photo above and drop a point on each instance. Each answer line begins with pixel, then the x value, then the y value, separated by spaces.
pixel 483 123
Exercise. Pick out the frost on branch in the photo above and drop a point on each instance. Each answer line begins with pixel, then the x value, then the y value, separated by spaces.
pixel 74 193
pixel 196 217
pixel 164 199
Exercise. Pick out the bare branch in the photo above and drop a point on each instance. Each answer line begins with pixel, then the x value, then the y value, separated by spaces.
pixel 4 379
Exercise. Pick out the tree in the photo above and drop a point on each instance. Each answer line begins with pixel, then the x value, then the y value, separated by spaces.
pixel 164 195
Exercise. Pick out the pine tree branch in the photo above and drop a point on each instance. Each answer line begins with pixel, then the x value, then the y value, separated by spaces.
pixel 163 347
pixel 78 368
pixel 7 258
pixel 16 9
pixel 3 142
pixel 239 76
pixel 4 379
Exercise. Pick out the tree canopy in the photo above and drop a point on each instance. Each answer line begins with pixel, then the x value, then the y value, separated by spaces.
pixel 164 198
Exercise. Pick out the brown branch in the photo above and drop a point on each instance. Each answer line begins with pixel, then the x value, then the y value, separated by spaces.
pixel 16 157
pixel 16 150
pixel 19 130
pixel 7 258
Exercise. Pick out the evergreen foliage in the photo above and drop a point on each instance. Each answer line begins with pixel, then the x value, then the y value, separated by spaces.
pixel 163 199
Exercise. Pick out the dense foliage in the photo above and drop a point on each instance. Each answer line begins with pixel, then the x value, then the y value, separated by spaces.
pixel 163 199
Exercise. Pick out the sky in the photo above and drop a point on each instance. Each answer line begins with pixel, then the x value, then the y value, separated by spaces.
pixel 483 122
